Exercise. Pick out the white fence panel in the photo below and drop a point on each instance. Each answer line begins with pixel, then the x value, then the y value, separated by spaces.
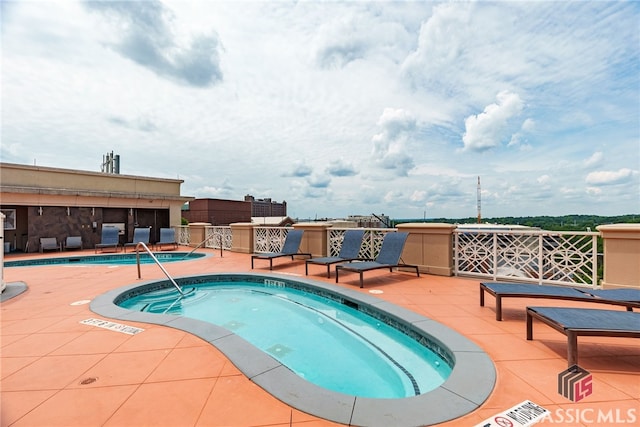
pixel 269 239
pixel 535 256
pixel 371 242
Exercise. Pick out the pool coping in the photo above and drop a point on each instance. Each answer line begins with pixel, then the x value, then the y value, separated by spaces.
pixel 471 381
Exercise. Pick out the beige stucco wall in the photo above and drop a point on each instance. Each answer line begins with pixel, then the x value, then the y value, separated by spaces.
pixel 314 239
pixel 57 179
pixel 22 185
pixel 621 255
pixel 429 246
pixel 242 237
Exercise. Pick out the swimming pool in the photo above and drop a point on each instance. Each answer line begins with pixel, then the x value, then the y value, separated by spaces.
pixel 360 355
pixel 471 378
pixel 111 259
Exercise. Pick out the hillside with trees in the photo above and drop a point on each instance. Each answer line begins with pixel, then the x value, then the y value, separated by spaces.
pixel 551 223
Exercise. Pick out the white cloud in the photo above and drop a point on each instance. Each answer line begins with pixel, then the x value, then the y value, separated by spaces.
pixel 389 146
pixel 145 35
pixel 340 167
pixel 596 159
pixel 611 177
pixel 337 107
pixel 489 128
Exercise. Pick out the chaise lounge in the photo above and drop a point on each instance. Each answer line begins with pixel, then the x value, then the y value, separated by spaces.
pixel 110 239
pixel 629 298
pixel 290 248
pixel 349 251
pixel 388 257
pixel 575 322
pixel 140 235
pixel 167 238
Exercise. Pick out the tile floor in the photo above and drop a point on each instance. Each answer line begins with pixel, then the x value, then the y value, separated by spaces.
pixel 56 371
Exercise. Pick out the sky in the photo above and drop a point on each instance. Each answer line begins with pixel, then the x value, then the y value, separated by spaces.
pixel 337 108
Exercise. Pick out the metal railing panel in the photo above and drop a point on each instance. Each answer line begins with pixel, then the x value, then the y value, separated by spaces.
pixel 217 235
pixel 371 242
pixel 269 239
pixel 536 256
pixel 183 235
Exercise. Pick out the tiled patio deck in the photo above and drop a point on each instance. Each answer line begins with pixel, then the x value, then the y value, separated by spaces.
pixel 58 372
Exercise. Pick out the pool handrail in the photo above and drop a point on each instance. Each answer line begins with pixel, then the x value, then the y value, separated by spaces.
pixel 203 242
pixel 153 257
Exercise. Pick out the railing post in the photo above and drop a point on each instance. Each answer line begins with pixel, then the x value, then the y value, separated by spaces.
pixel 314 239
pixel 429 246
pixel 242 237
pixel 621 254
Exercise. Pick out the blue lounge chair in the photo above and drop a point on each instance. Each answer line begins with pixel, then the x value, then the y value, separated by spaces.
pixel 73 242
pixel 49 244
pixel 389 257
pixel 290 248
pixel 140 235
pixel 167 238
pixel 575 322
pixel 348 252
pixel 110 239
pixel 625 297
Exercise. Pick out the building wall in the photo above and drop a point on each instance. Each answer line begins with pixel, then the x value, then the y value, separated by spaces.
pixel 218 211
pixel 266 207
pixel 54 202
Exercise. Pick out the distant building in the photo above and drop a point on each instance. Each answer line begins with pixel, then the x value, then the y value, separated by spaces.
pixel 218 211
pixel 370 221
pixel 273 221
pixel 266 207
pixel 225 212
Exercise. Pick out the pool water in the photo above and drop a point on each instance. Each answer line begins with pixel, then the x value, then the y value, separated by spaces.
pixel 328 343
pixel 114 259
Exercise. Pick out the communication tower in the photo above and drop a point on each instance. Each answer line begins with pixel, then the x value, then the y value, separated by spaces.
pixel 479 203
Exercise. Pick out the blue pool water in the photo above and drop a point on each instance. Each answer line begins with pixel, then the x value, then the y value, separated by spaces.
pixel 113 259
pixel 336 346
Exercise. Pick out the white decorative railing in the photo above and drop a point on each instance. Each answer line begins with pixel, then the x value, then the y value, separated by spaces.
pixel 534 256
pixel 183 235
pixel 567 258
pixel 371 242
pixel 269 239
pixel 214 235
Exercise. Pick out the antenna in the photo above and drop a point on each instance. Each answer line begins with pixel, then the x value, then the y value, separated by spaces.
pixel 479 203
pixel 110 163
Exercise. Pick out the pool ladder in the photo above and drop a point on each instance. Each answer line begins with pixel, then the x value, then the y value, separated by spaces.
pixel 153 257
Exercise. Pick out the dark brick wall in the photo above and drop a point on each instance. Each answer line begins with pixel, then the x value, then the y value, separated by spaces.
pixel 58 222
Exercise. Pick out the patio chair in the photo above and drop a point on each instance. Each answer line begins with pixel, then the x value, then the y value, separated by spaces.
pixel 140 235
pixel 73 242
pixel 167 238
pixel 625 297
pixel 110 239
pixel 290 248
pixel 49 244
pixel 388 257
pixel 349 251
pixel 575 322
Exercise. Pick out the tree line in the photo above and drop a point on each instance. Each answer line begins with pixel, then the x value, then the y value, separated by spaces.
pixel 551 223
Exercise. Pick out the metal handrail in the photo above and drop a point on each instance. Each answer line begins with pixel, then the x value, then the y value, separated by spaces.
pixel 203 242
pixel 153 257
